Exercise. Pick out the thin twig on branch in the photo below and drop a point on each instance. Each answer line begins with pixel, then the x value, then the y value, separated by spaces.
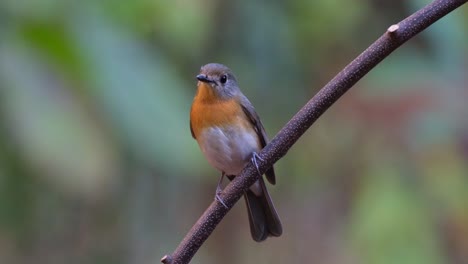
pixel 395 36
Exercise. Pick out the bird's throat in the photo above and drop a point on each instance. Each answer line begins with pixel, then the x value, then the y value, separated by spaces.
pixel 206 94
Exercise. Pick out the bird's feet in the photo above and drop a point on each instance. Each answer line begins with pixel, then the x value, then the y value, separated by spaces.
pixel 255 156
pixel 218 198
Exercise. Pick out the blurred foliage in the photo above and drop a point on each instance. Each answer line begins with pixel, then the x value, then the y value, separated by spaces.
pixel 97 164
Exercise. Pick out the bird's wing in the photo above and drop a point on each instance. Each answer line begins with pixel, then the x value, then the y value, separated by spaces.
pixel 191 127
pixel 249 111
pixel 191 130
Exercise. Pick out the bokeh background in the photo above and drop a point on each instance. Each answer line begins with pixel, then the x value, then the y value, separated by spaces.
pixel 97 164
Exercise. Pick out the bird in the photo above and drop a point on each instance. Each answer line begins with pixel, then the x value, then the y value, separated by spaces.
pixel 229 133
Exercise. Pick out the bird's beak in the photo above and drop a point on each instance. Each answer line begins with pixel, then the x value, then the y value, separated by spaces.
pixel 204 78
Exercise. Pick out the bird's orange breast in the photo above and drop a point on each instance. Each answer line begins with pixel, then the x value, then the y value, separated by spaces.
pixel 208 110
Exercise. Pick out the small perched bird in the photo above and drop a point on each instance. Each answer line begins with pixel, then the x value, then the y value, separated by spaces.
pixel 229 133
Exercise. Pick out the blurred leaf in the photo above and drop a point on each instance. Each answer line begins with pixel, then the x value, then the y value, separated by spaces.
pixel 43 9
pixel 16 201
pixel 54 132
pixel 52 41
pixel 445 177
pixel 391 223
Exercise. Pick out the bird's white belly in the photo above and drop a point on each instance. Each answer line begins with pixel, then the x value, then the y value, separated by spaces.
pixel 228 149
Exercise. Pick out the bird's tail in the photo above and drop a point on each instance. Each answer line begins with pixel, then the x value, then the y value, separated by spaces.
pixel 263 218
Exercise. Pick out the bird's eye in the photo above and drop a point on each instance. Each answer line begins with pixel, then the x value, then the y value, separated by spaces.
pixel 223 78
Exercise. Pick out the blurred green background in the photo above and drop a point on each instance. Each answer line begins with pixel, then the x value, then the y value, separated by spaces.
pixel 97 164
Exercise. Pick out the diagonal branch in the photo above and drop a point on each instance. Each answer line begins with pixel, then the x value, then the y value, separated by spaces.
pixel 395 36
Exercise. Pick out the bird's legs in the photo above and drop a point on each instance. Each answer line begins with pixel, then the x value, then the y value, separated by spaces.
pixel 219 190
